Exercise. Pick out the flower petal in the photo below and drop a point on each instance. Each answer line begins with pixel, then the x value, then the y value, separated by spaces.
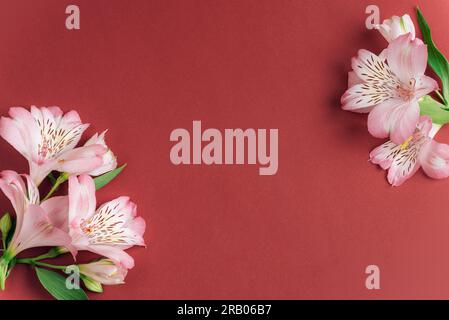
pixel 403 122
pixel 32 190
pixel 379 119
pixel 373 83
pixel 384 154
pixel 39 172
pixel 407 57
pixel 109 159
pixel 424 125
pixel 14 189
pixel 37 231
pixel 82 200
pixel 371 68
pixel 81 160
pixel 353 79
pixel 115 223
pixel 424 85
pixel 363 97
pixel 21 131
pixel 404 165
pixel 57 209
pixel 435 160
pixel 118 255
pixel 58 133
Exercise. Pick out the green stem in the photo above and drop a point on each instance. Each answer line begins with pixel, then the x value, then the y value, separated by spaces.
pixel 5 260
pixel 3 272
pixel 52 178
pixel 52 253
pixel 61 179
pixel 43 256
pixel 41 264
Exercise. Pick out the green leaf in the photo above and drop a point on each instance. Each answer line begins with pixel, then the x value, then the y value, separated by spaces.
pixel 435 110
pixel 436 59
pixel 104 179
pixel 55 284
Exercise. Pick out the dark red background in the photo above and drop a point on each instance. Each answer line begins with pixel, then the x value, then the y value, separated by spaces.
pixel 143 68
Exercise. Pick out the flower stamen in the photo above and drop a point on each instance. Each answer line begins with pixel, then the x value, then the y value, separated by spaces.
pixel 406 143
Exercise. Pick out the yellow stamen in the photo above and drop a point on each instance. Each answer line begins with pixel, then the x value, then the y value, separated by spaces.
pixel 406 143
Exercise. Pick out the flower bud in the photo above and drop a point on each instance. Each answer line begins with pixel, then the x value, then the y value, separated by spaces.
pixel 104 271
pixel 109 159
pixel 5 224
pixel 92 285
pixel 396 26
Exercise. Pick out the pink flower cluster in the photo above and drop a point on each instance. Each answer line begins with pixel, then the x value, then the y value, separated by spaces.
pixel 389 87
pixel 48 139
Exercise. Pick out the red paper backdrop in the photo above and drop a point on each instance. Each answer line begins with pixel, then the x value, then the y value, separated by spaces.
pixel 143 68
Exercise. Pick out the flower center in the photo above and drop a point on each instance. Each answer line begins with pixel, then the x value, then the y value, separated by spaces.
pixel 44 149
pixel 406 92
pixel 85 227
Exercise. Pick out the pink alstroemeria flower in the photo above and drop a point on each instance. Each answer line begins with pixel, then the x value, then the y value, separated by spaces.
pixel 37 225
pixel 109 159
pixel 47 139
pixel 396 26
pixel 107 231
pixel 104 271
pixel 419 150
pixel 390 92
